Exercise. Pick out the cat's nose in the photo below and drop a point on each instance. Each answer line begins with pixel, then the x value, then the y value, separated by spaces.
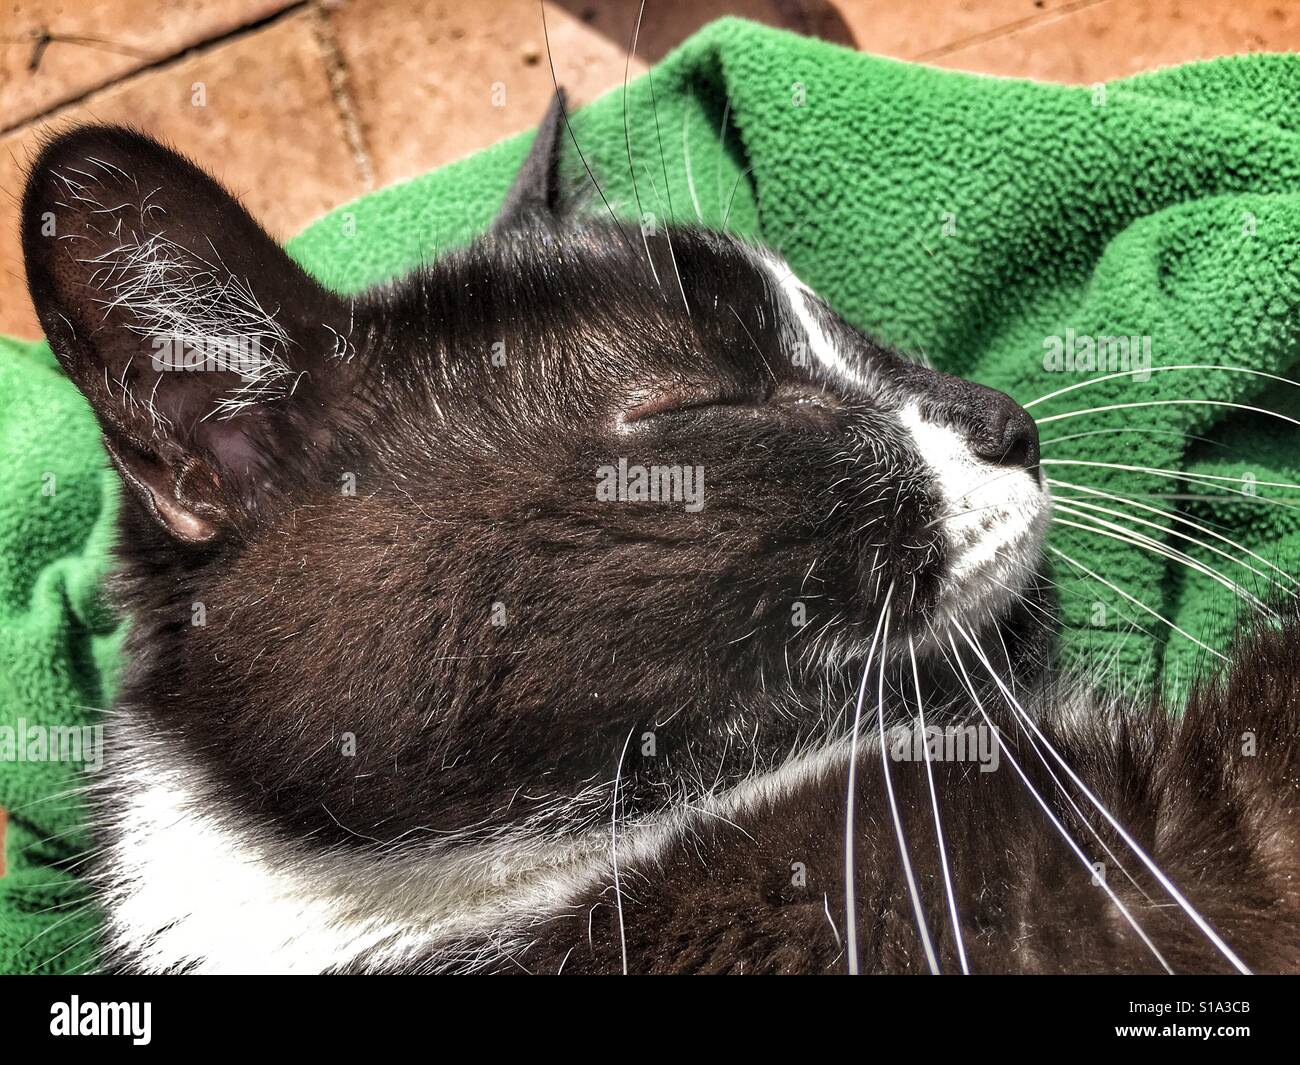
pixel 1003 432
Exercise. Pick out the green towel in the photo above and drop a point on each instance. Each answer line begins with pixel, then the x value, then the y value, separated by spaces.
pixel 996 228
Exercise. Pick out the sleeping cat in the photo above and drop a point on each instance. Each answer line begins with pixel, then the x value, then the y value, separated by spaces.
pixel 568 605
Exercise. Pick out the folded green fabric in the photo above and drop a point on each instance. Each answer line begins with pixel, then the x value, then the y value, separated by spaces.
pixel 1002 230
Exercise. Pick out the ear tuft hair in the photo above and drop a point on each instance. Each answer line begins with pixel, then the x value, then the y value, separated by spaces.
pixel 199 343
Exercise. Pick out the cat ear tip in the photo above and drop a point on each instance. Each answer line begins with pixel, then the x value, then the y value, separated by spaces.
pixel 58 170
pixel 68 157
pixel 60 145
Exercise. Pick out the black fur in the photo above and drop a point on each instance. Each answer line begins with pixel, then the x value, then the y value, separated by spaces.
pixel 1212 795
pixel 470 404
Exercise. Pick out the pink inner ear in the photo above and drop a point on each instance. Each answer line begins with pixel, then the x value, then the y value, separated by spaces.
pixel 178 494
pixel 183 523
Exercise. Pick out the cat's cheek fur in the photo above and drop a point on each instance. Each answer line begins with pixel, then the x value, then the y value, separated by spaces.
pixel 994 519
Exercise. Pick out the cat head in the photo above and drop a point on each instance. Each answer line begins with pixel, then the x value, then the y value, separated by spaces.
pixel 439 555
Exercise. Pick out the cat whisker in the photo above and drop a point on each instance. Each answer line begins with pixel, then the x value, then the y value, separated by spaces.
pixel 71 946
pixel 1138 603
pixel 1132 844
pixel 1176 517
pixel 686 162
pixel 1198 480
pixel 1167 403
pixel 1193 497
pixel 56 906
pixel 1011 679
pixel 564 113
pixel 73 830
pixel 732 199
pixel 850 884
pixel 67 793
pixel 627 140
pixel 1100 526
pixel 668 192
pixel 613 849
pixel 1131 429
pixel 934 805
pixel 1056 822
pixel 917 909
pixel 826 907
pixel 55 924
pixel 1159 369
pixel 1181 535
pixel 722 146
pixel 1156 470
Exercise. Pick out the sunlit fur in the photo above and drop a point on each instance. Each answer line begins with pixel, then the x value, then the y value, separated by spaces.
pixel 429 650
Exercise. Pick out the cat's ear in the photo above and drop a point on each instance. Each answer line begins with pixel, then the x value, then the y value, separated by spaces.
pixel 536 192
pixel 210 358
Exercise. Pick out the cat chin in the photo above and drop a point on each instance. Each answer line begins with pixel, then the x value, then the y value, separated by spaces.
pixel 994 519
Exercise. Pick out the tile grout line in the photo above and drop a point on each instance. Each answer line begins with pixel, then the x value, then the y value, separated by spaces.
pixel 336 70
pixel 1005 30
pixel 162 62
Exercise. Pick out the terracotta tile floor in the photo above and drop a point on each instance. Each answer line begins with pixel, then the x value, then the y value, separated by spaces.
pixel 353 94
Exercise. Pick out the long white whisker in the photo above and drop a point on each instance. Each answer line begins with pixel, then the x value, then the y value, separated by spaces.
pixel 668 192
pixel 1176 517
pixel 627 140
pixel 1166 403
pixel 850 886
pixel 1129 429
pixel 1113 531
pixel 1083 503
pixel 1006 654
pixel 934 805
pixel 1060 828
pixel 71 946
pixel 1177 474
pixel 686 158
pixel 568 125
pixel 55 924
pixel 1132 844
pixel 1158 369
pixel 613 850
pixel 1137 603
pixel 917 909
pixel 722 145
pixel 1193 497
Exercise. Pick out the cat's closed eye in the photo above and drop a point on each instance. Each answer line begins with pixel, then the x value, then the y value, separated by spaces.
pixel 772 401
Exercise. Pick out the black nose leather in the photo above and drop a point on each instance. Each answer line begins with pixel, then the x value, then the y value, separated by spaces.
pixel 995 427
pixel 1004 433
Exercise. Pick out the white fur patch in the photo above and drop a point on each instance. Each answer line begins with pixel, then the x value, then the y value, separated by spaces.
pixel 192 886
pixel 993 519
pixel 800 300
